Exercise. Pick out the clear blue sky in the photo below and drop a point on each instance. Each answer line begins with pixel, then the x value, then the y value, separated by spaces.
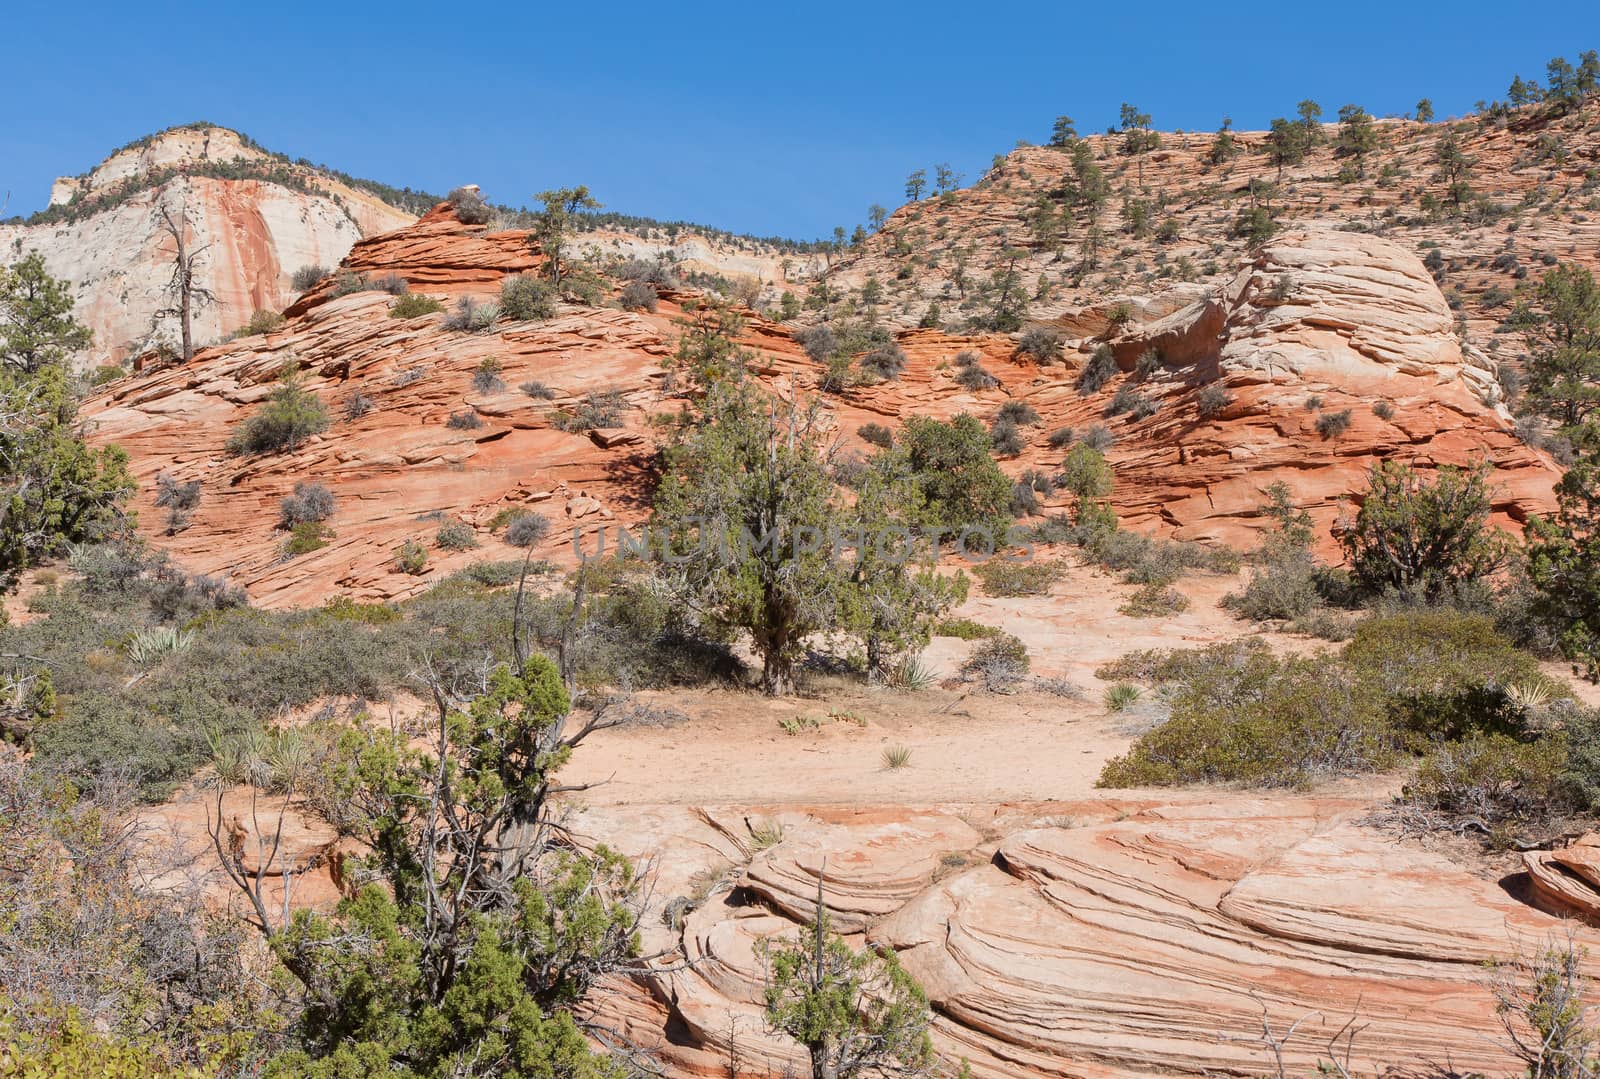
pixel 772 118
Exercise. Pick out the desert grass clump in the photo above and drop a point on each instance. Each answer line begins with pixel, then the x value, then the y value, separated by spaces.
pixel 1212 400
pixel 896 757
pixel 1100 368
pixel 414 305
pixel 1333 424
pixel 469 206
pixel 471 315
pixel 1018 412
pixel 885 362
pixel 1121 697
pixel 1042 344
pixel 464 420
pixel 486 376
pixel 307 277
pixel 639 296
pixel 527 530
pixel 998 664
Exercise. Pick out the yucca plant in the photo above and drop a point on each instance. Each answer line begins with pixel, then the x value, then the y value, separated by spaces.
pixel 895 757
pixel 152 645
pixel 911 673
pixel 1121 696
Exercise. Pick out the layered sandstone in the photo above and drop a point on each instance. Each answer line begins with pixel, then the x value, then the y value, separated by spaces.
pixel 1108 940
pixel 1359 326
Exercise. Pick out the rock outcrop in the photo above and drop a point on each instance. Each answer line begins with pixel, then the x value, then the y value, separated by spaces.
pixel 398 464
pixel 1113 940
pixel 257 228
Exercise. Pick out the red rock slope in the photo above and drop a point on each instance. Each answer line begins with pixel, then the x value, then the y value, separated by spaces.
pixel 1349 319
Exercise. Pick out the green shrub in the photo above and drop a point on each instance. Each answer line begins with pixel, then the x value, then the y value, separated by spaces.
pixel 262 322
pixel 963 629
pixel 414 305
pixel 1001 577
pixel 455 536
pixel 1155 601
pixel 305 537
pixel 524 298
pixel 290 415
pixel 1121 697
pixel 876 433
pixel 1420 538
pixel 1060 438
pixel 1267 722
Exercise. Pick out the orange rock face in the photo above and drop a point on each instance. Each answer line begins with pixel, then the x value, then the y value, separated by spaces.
pixel 1360 324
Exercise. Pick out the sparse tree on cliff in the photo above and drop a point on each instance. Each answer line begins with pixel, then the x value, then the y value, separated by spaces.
pixel 916 184
pixel 36 323
pixel 554 222
pixel 185 293
pixel 1455 169
pixel 1310 114
pixel 1357 136
pixel 1223 147
pixel 1425 111
pixel 1064 133
pixel 877 215
pixel 1137 137
pixel 945 179
pixel 1564 369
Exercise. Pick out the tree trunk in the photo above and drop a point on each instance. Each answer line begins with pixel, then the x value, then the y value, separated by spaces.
pixel 777 676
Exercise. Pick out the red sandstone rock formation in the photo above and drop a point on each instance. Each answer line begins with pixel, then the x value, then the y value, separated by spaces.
pixel 1360 324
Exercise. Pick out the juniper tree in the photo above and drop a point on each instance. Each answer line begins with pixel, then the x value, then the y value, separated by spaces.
pixel 1564 368
pixel 858 1014
pixel 553 223
pixel 475 926
pixel 747 501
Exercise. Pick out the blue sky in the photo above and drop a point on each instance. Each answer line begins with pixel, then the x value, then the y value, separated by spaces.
pixel 767 118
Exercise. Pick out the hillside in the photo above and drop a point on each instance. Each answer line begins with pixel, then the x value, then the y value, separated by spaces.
pixel 1170 218
pixel 1366 327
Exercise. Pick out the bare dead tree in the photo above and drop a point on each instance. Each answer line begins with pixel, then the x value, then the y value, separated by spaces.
pixel 184 291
